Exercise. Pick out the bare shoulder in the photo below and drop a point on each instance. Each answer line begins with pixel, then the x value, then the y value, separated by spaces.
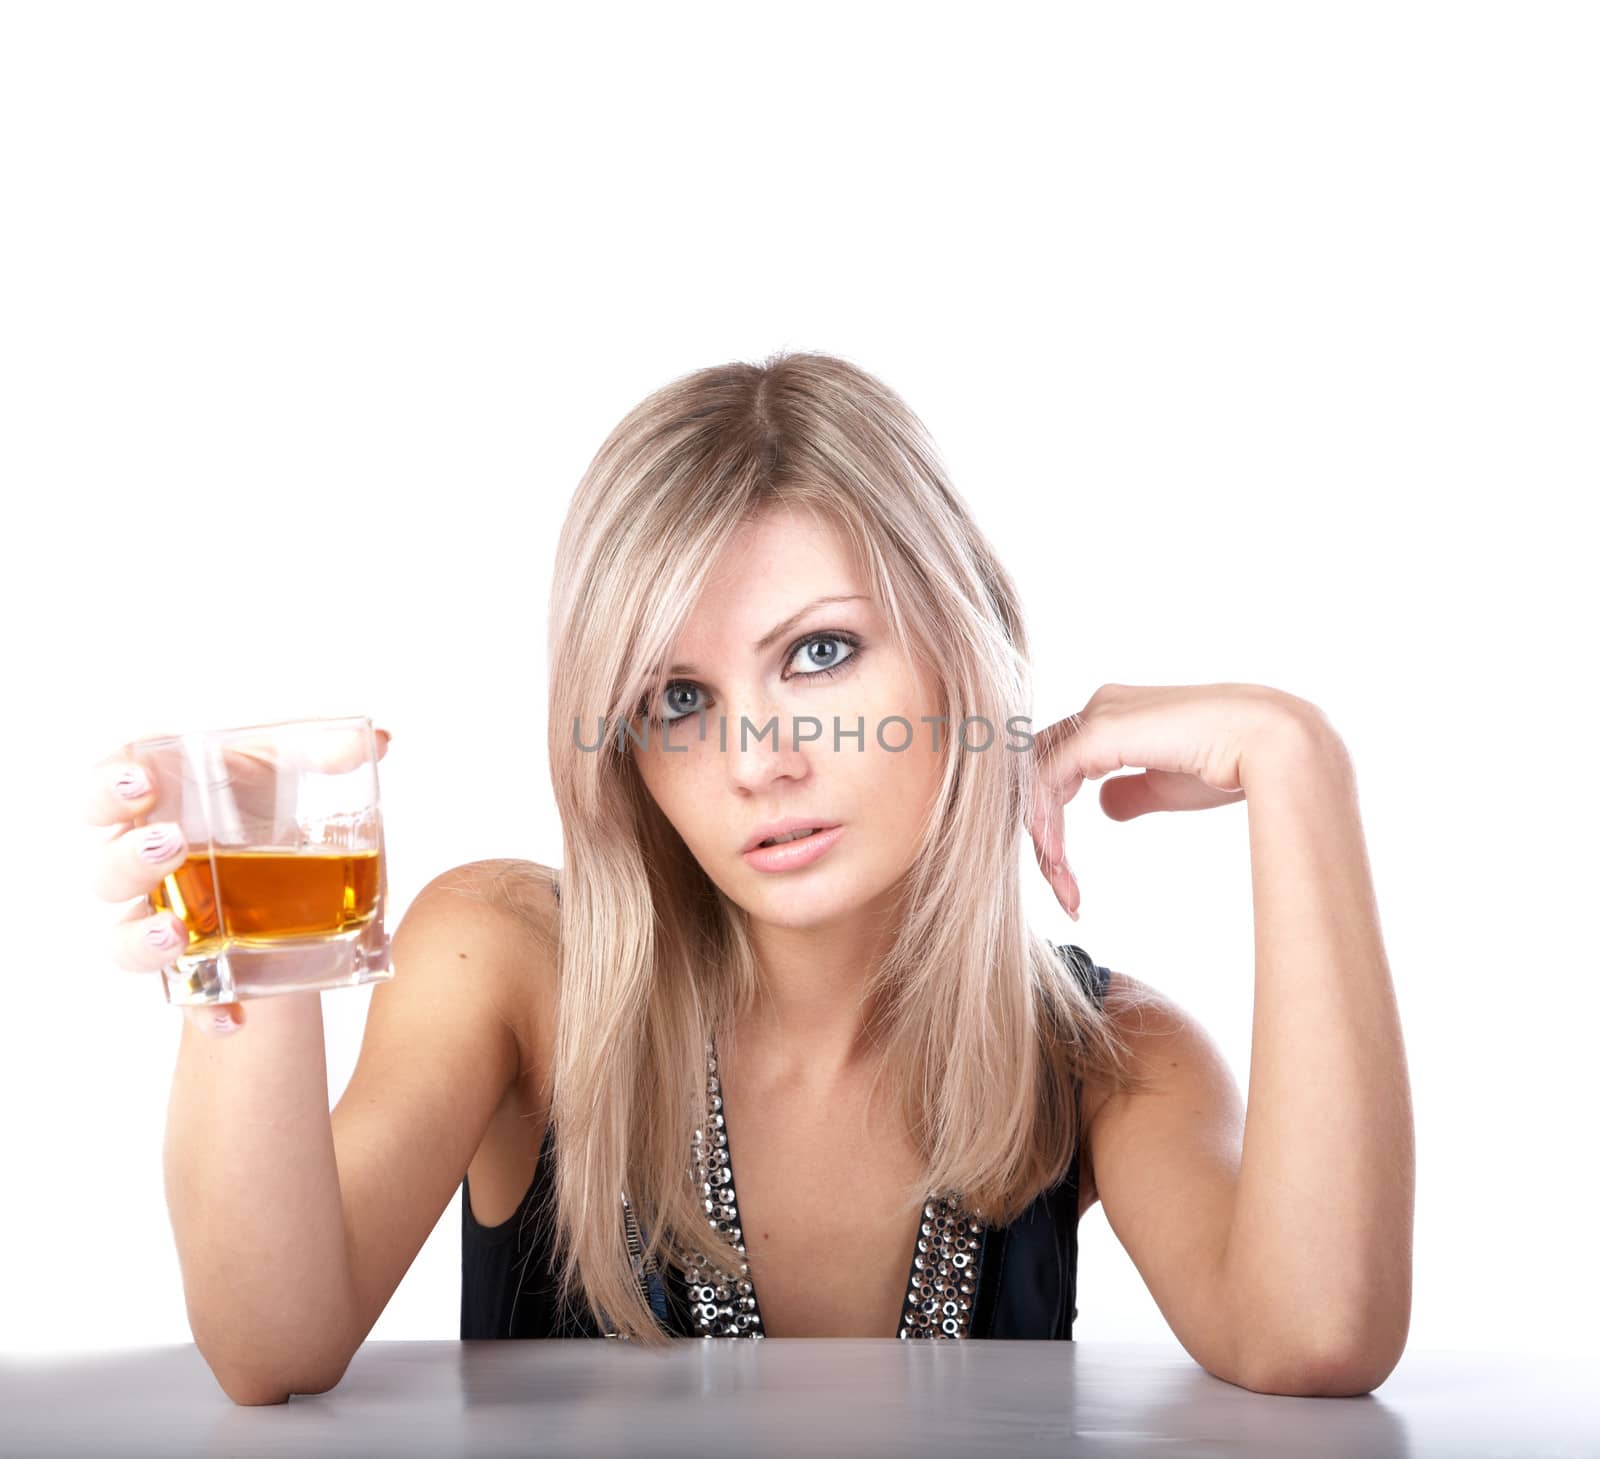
pixel 1137 1012
pixel 511 908
pixel 1179 1085
pixel 522 891
pixel 1166 1047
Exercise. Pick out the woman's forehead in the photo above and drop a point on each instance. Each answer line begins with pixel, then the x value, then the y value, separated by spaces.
pixel 789 538
pixel 770 568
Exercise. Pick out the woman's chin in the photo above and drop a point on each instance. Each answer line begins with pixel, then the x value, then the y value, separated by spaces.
pixel 799 904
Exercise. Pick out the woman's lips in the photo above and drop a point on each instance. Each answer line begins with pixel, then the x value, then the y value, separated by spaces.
pixel 792 854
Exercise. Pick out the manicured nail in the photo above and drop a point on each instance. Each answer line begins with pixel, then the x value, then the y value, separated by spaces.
pixel 132 783
pixel 163 936
pixel 160 843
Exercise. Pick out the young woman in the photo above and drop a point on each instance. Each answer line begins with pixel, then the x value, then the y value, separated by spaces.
pixel 790 742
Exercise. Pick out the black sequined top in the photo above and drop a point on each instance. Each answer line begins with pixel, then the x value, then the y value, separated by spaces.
pixel 1025 1284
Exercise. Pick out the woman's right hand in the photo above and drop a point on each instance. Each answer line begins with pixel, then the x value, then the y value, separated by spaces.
pixel 133 863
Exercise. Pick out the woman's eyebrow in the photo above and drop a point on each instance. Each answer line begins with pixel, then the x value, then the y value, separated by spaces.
pixel 767 639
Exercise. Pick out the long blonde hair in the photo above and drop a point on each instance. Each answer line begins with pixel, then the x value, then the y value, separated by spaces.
pixel 983 1028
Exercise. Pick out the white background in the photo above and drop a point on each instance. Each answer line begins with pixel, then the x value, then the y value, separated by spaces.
pixel 1261 338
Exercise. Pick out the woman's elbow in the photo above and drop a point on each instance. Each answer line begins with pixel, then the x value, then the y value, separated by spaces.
pixel 1338 1368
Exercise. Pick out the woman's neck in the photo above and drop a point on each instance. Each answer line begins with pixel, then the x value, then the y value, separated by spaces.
pixel 810 1025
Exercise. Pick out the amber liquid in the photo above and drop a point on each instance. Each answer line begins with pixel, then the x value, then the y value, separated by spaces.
pixel 264 895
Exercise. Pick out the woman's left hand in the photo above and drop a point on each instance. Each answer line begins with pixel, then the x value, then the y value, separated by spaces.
pixel 1191 741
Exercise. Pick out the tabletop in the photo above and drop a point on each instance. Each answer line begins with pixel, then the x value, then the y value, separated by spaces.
pixel 839 1396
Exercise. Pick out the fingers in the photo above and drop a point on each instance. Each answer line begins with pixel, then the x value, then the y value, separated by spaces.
pixel 118 789
pixel 136 862
pixel 133 862
pixel 145 943
pixel 324 752
pixel 215 1020
pixel 336 752
pixel 1065 886
pixel 1047 827
pixel 1047 831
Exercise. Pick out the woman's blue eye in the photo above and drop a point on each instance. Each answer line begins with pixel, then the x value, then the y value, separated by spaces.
pixel 822 664
pixel 828 662
pixel 674 692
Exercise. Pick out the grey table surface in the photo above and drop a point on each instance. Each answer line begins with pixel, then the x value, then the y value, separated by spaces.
pixel 791 1396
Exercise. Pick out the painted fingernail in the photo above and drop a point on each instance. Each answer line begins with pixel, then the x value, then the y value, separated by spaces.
pixel 163 936
pixel 132 783
pixel 160 843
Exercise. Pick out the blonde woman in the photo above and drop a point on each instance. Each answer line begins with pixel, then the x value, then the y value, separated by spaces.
pixel 776 1051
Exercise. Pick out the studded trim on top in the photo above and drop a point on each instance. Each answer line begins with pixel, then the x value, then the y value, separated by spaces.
pixel 944 1270
pixel 940 1291
pixel 942 1286
pixel 723 1302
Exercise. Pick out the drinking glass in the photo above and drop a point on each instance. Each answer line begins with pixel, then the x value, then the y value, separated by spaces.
pixel 284 883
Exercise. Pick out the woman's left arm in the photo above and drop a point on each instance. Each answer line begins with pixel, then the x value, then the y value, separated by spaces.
pixel 1281 1254
pixel 1318 1259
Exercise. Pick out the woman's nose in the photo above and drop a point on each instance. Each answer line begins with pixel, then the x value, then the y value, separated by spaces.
pixel 765 745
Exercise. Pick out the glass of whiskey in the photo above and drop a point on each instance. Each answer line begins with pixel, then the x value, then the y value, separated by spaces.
pixel 283 886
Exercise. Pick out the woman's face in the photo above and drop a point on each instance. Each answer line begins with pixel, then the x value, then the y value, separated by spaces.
pixel 759 648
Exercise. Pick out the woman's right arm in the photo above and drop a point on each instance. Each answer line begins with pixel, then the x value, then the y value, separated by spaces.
pixel 290 1243
pixel 252 1187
